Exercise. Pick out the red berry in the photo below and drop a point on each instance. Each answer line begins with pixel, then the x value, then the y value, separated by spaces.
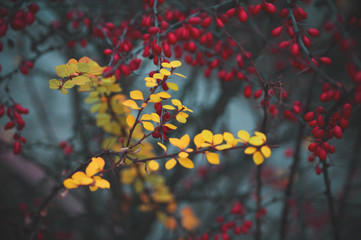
pixel 337 130
pixel 313 32
pixel 247 91
pixel 295 49
pixel 276 31
pixel 242 15
pixel 206 22
pixel 16 147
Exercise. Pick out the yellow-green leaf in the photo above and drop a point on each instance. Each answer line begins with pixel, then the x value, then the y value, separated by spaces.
pixel 136 95
pixel 170 164
pixel 63 91
pixel 68 84
pixel 54 84
pixel 81 80
pixel 172 86
pixel 261 135
pixel 186 162
pixel 212 157
pixel 62 71
pixel 83 67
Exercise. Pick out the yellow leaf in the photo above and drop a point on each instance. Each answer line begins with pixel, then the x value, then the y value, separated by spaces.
pixel 131 104
pixel 81 179
pixel 101 183
pixel 54 84
pixel 149 79
pixel 169 107
pixel 217 139
pixel 150 84
pixel 165 72
pixel 176 102
pixel 162 146
pixel 261 135
pixel 153 165
pixel 181 119
pixel 183 154
pixel 72 61
pixel 175 64
pixel 158 76
pixel 180 75
pixel 186 162
pixel 146 117
pixel 189 221
pixel 198 140
pixel 166 65
pixel 92 169
pixel 228 137
pixel 155 117
pixel 256 141
pixel 175 142
pixel 172 86
pixel 212 157
pixel 223 147
pixel 100 162
pixel 243 135
pixel 258 158
pixel 164 95
pixel 69 183
pixel 155 98
pixel 170 164
pixel 148 126
pixel 171 126
pixel 130 120
pixel 266 151
pixel 207 135
pixel 136 95
pixel 184 141
pixel 250 150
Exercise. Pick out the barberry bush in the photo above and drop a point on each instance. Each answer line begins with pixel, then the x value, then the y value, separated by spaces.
pixel 164 119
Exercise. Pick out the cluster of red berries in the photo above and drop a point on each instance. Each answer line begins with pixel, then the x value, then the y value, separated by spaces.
pixel 68 149
pixel 26 66
pixel 14 112
pixel 323 130
pixel 226 229
pixel 18 20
